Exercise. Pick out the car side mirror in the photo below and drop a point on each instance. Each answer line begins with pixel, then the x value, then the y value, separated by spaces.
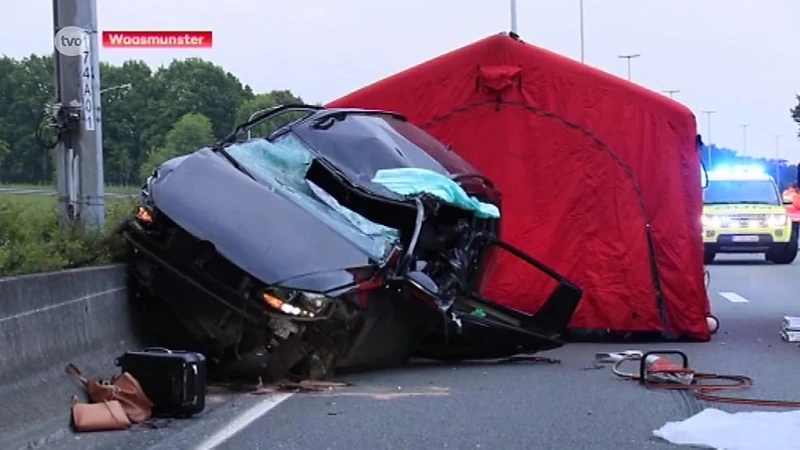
pixel 423 282
pixel 703 176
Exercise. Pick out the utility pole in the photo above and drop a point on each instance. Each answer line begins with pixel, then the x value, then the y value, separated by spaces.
pixel 80 151
pixel 671 91
pixel 514 17
pixel 744 138
pixel 582 53
pixel 629 57
pixel 708 114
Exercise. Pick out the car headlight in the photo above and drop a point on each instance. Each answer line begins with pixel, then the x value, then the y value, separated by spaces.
pixel 296 303
pixel 144 214
pixel 776 220
pixel 711 221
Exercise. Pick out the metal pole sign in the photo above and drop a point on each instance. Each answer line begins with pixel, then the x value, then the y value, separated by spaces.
pixel 87 90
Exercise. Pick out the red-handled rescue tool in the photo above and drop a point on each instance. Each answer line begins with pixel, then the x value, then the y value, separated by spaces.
pixel 655 368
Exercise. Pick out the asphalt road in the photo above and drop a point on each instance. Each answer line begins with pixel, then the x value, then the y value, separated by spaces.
pixel 526 406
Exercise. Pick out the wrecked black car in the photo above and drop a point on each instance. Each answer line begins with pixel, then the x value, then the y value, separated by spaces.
pixel 340 238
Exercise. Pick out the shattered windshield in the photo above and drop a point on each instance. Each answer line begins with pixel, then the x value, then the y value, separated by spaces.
pixel 283 164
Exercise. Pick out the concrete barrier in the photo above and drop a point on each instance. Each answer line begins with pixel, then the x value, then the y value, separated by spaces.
pixel 46 321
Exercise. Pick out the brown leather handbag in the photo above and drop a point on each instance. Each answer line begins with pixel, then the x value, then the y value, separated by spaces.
pixel 124 389
pixel 103 416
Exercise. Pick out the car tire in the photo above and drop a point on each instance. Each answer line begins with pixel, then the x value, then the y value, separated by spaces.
pixel 713 323
pixel 708 257
pixel 785 255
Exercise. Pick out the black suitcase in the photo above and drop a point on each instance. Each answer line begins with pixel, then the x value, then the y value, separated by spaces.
pixel 174 380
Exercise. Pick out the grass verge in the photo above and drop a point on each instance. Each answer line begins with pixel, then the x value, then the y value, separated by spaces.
pixel 32 239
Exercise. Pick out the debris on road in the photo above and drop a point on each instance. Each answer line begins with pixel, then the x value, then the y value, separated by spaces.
pixel 335 389
pixel 383 394
pixel 790 331
pixel 302 386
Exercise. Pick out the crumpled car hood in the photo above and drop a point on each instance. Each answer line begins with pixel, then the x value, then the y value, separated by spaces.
pixel 254 226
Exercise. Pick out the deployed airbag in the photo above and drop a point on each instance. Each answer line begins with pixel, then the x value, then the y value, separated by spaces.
pixel 412 181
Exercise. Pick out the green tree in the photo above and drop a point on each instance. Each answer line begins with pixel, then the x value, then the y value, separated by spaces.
pixel 194 86
pixel 25 87
pixel 190 133
pixel 126 117
pixel 796 113
pixel 136 120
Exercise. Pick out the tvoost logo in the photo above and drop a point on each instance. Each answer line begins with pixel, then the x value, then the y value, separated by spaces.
pixel 71 41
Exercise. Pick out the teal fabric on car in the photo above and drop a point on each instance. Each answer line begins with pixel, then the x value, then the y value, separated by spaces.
pixel 410 181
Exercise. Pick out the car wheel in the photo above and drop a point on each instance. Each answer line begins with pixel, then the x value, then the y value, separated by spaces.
pixel 708 257
pixel 785 255
pixel 713 324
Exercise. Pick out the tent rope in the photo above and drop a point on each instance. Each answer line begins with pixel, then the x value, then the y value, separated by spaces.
pixel 660 302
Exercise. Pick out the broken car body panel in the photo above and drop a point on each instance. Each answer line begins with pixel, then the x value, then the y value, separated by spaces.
pixel 259 228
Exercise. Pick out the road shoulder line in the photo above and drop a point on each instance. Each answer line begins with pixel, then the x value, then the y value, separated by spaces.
pixel 243 420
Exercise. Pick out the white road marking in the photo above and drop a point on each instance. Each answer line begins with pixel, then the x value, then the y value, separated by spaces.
pixel 241 422
pixel 733 297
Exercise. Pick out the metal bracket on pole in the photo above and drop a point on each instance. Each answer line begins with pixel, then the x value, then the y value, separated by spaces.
pixel 67 121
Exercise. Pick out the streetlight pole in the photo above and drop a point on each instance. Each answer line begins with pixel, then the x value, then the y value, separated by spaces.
pixel 777 160
pixel 744 138
pixel 582 53
pixel 514 16
pixel 629 57
pixel 671 91
pixel 708 114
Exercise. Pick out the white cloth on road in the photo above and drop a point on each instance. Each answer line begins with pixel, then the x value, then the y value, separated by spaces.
pixel 752 430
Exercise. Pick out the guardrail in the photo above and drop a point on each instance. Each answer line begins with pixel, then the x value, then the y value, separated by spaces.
pixel 17 191
pixel 46 321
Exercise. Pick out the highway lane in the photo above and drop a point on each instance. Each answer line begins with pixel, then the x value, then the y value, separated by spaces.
pixel 567 405
pixel 559 406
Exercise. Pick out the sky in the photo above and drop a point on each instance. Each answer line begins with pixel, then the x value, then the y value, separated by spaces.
pixel 736 57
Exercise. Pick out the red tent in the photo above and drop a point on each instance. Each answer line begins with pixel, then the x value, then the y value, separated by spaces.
pixel 600 178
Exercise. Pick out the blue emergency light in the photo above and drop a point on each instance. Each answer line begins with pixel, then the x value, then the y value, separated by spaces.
pixel 739 170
